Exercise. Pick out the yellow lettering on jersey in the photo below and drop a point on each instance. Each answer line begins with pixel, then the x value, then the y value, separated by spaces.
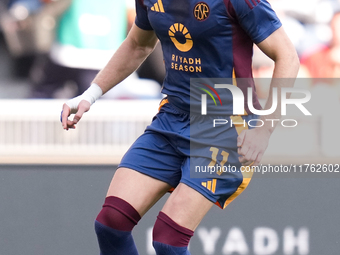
pixel 192 65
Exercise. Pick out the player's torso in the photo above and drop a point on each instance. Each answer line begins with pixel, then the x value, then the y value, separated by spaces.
pixel 198 41
pixel 195 35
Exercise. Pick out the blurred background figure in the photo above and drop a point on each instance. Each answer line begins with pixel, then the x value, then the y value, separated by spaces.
pixel 87 35
pixel 31 27
pixel 314 28
pixel 308 24
pixel 54 48
pixel 28 28
pixel 324 62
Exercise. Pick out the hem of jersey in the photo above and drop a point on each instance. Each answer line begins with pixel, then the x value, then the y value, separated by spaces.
pixel 175 107
pixel 200 190
pixel 155 176
pixel 215 114
pixel 267 33
pixel 143 26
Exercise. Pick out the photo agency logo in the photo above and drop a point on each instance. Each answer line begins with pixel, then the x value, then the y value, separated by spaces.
pixel 238 104
pixel 219 107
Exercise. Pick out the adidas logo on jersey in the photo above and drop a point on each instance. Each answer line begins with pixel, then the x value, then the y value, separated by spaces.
pixel 210 185
pixel 158 7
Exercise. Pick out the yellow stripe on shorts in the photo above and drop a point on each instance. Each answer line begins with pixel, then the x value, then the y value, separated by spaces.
pixel 246 175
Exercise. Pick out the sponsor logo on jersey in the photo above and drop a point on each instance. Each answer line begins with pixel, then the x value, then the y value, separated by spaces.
pixel 201 11
pixel 181 37
pixel 183 42
pixel 192 65
pixel 158 7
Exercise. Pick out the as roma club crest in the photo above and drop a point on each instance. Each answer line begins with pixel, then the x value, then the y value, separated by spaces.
pixel 201 11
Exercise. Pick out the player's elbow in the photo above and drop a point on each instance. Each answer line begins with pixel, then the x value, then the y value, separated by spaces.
pixel 294 60
pixel 293 63
pixel 288 61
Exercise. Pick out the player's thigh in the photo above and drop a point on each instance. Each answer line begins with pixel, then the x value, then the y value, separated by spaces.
pixel 186 206
pixel 139 190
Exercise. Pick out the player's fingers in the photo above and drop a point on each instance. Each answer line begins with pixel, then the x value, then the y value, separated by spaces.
pixel 242 160
pixel 83 107
pixel 245 162
pixel 249 163
pixel 251 155
pixel 240 138
pixel 258 158
pixel 243 150
pixel 70 124
pixel 64 115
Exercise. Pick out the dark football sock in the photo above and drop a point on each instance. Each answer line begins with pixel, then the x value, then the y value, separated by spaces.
pixel 169 238
pixel 113 227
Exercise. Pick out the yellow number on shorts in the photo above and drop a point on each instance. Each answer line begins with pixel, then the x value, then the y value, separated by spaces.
pixel 214 153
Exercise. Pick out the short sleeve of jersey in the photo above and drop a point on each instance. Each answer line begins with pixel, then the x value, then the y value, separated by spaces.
pixel 142 20
pixel 256 17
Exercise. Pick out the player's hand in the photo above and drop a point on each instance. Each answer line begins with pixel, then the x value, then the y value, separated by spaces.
pixel 79 105
pixel 72 106
pixel 252 144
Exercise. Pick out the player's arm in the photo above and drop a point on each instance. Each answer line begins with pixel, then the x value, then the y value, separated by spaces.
pixel 252 143
pixel 129 56
pixel 281 50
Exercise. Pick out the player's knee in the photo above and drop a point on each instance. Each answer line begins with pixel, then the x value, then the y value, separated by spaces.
pixel 113 227
pixel 117 214
pixel 167 234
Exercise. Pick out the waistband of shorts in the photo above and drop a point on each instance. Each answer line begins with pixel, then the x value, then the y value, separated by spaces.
pixel 176 104
pixel 179 105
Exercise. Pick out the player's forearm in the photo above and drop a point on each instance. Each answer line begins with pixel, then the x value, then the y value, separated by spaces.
pixel 285 72
pixel 126 59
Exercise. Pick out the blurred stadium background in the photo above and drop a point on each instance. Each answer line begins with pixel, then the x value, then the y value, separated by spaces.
pixel 53 182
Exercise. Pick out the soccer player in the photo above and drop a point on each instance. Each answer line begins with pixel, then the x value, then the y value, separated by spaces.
pixel 200 39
